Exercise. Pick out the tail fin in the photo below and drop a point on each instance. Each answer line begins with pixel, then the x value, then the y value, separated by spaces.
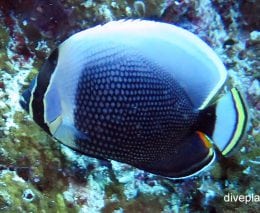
pixel 231 121
pixel 225 121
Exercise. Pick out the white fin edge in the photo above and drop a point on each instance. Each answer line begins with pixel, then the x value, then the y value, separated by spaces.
pixel 205 168
pixel 168 40
pixel 168 29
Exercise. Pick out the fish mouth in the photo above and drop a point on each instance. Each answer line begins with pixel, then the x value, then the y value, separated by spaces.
pixel 24 100
pixel 26 96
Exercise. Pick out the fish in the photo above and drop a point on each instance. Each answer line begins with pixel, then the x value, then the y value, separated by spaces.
pixel 139 92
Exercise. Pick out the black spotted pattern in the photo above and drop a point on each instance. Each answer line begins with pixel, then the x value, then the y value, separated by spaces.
pixel 132 110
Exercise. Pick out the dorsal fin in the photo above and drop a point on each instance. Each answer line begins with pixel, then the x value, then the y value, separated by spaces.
pixel 190 60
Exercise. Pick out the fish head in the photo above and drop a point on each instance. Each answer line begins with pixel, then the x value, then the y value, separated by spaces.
pixel 33 98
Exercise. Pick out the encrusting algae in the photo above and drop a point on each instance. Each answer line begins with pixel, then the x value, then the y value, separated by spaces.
pixel 39 175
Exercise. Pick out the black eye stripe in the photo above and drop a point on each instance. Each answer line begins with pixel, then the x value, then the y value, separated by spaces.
pixel 43 80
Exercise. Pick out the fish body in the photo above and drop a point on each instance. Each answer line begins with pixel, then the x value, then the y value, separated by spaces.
pixel 138 92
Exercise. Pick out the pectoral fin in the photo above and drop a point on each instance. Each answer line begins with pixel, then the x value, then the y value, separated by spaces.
pixel 69 135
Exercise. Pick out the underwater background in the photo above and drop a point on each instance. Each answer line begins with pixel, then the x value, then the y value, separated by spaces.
pixel 39 175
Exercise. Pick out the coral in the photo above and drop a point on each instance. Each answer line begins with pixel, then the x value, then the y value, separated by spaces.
pixel 180 12
pixel 140 8
pixel 3 44
pixel 250 11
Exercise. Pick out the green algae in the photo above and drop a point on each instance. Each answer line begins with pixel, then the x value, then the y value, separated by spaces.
pixel 29 147
pixel 61 204
pixel 11 197
pixel 14 189
pixel 4 38
pixel 4 60
pixel 116 200
pixel 142 203
pixel 31 75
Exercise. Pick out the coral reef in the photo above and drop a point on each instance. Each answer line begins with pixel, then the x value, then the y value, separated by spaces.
pixel 36 173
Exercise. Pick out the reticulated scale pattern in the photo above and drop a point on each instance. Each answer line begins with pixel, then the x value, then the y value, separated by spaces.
pixel 132 109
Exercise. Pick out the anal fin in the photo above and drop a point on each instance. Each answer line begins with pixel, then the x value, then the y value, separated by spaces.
pixel 191 156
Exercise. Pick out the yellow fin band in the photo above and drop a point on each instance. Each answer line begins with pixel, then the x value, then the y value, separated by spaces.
pixel 205 139
pixel 241 121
